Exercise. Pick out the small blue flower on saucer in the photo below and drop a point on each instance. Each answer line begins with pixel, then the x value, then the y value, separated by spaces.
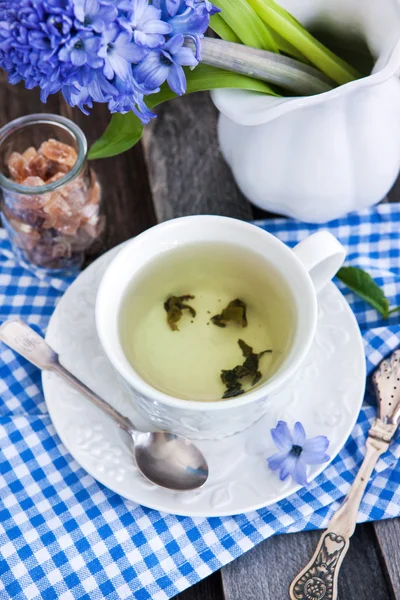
pixel 296 452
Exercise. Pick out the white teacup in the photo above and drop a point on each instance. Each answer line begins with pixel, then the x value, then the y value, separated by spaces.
pixel 306 269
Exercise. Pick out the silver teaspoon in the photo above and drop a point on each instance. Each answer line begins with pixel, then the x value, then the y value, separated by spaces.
pixel 318 580
pixel 166 459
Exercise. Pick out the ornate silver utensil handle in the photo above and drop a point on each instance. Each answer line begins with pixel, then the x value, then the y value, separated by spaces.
pixel 318 580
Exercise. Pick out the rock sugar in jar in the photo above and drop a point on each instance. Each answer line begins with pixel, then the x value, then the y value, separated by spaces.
pixel 51 200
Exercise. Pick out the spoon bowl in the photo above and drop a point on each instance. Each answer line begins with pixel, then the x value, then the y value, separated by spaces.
pixel 169 460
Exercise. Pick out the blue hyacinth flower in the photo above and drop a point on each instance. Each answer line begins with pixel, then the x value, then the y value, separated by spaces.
pixel 111 51
pixel 296 452
pixel 119 53
pixel 93 15
pixel 165 64
pixel 148 28
pixel 82 49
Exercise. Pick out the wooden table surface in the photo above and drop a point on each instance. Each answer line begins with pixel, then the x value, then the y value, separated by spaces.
pixel 176 171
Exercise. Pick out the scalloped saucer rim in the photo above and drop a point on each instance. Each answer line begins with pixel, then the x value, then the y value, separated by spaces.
pixel 239 482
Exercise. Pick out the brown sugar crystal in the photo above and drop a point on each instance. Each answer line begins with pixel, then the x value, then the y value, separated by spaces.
pixel 39 166
pixel 17 167
pixel 33 181
pixel 60 153
pixel 54 227
pixel 29 153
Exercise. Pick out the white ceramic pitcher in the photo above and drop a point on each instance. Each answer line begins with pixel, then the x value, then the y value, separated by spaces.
pixel 317 158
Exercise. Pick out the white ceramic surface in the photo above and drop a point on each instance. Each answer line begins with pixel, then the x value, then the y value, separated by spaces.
pixel 325 394
pixel 314 261
pixel 320 157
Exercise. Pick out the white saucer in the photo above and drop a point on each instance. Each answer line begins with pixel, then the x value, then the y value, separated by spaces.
pixel 325 395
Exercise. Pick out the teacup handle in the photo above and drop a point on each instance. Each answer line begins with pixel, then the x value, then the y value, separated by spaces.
pixel 322 255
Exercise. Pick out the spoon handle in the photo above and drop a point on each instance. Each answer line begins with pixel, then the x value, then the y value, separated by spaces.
pixel 123 422
pixel 24 340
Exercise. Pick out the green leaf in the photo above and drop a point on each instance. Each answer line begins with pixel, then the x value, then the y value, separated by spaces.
pixel 124 131
pixel 286 48
pixel 291 30
pixel 246 24
pixel 204 77
pixel 222 28
pixel 364 286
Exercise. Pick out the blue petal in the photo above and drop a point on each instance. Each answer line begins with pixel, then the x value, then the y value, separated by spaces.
pixel 299 435
pixel 131 52
pixel 108 70
pixel 299 472
pixel 176 79
pixel 190 22
pixel 100 89
pixel 153 26
pixel 185 57
pixel 151 72
pixel 79 9
pixel 152 13
pixel 174 44
pixel 172 6
pixel 119 65
pixel 98 24
pixel 78 57
pixel 63 55
pixel 288 466
pixel 317 444
pixel 314 458
pixel 110 34
pixel 148 40
pixel 38 40
pixel 275 461
pixel 282 437
pixel 91 7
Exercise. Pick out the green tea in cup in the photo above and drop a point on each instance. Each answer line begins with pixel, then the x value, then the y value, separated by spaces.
pixel 194 315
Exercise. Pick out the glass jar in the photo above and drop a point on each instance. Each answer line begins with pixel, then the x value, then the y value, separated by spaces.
pixel 51 200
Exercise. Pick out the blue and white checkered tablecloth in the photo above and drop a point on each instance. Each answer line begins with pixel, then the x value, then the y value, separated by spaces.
pixel 65 536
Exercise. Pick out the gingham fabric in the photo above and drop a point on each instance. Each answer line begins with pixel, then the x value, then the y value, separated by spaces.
pixel 63 535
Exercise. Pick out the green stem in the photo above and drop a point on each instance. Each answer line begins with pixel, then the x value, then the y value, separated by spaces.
pixel 246 24
pixel 393 310
pixel 284 71
pixel 222 28
pixel 325 60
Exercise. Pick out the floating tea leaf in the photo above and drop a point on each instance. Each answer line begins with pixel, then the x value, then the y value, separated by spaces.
pixel 245 348
pixel 233 392
pixel 175 307
pixel 231 377
pixel 235 311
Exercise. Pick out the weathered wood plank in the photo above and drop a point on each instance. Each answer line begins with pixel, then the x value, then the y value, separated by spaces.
pixel 388 537
pixel 394 193
pixel 16 101
pixel 266 572
pixel 207 589
pixel 187 172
